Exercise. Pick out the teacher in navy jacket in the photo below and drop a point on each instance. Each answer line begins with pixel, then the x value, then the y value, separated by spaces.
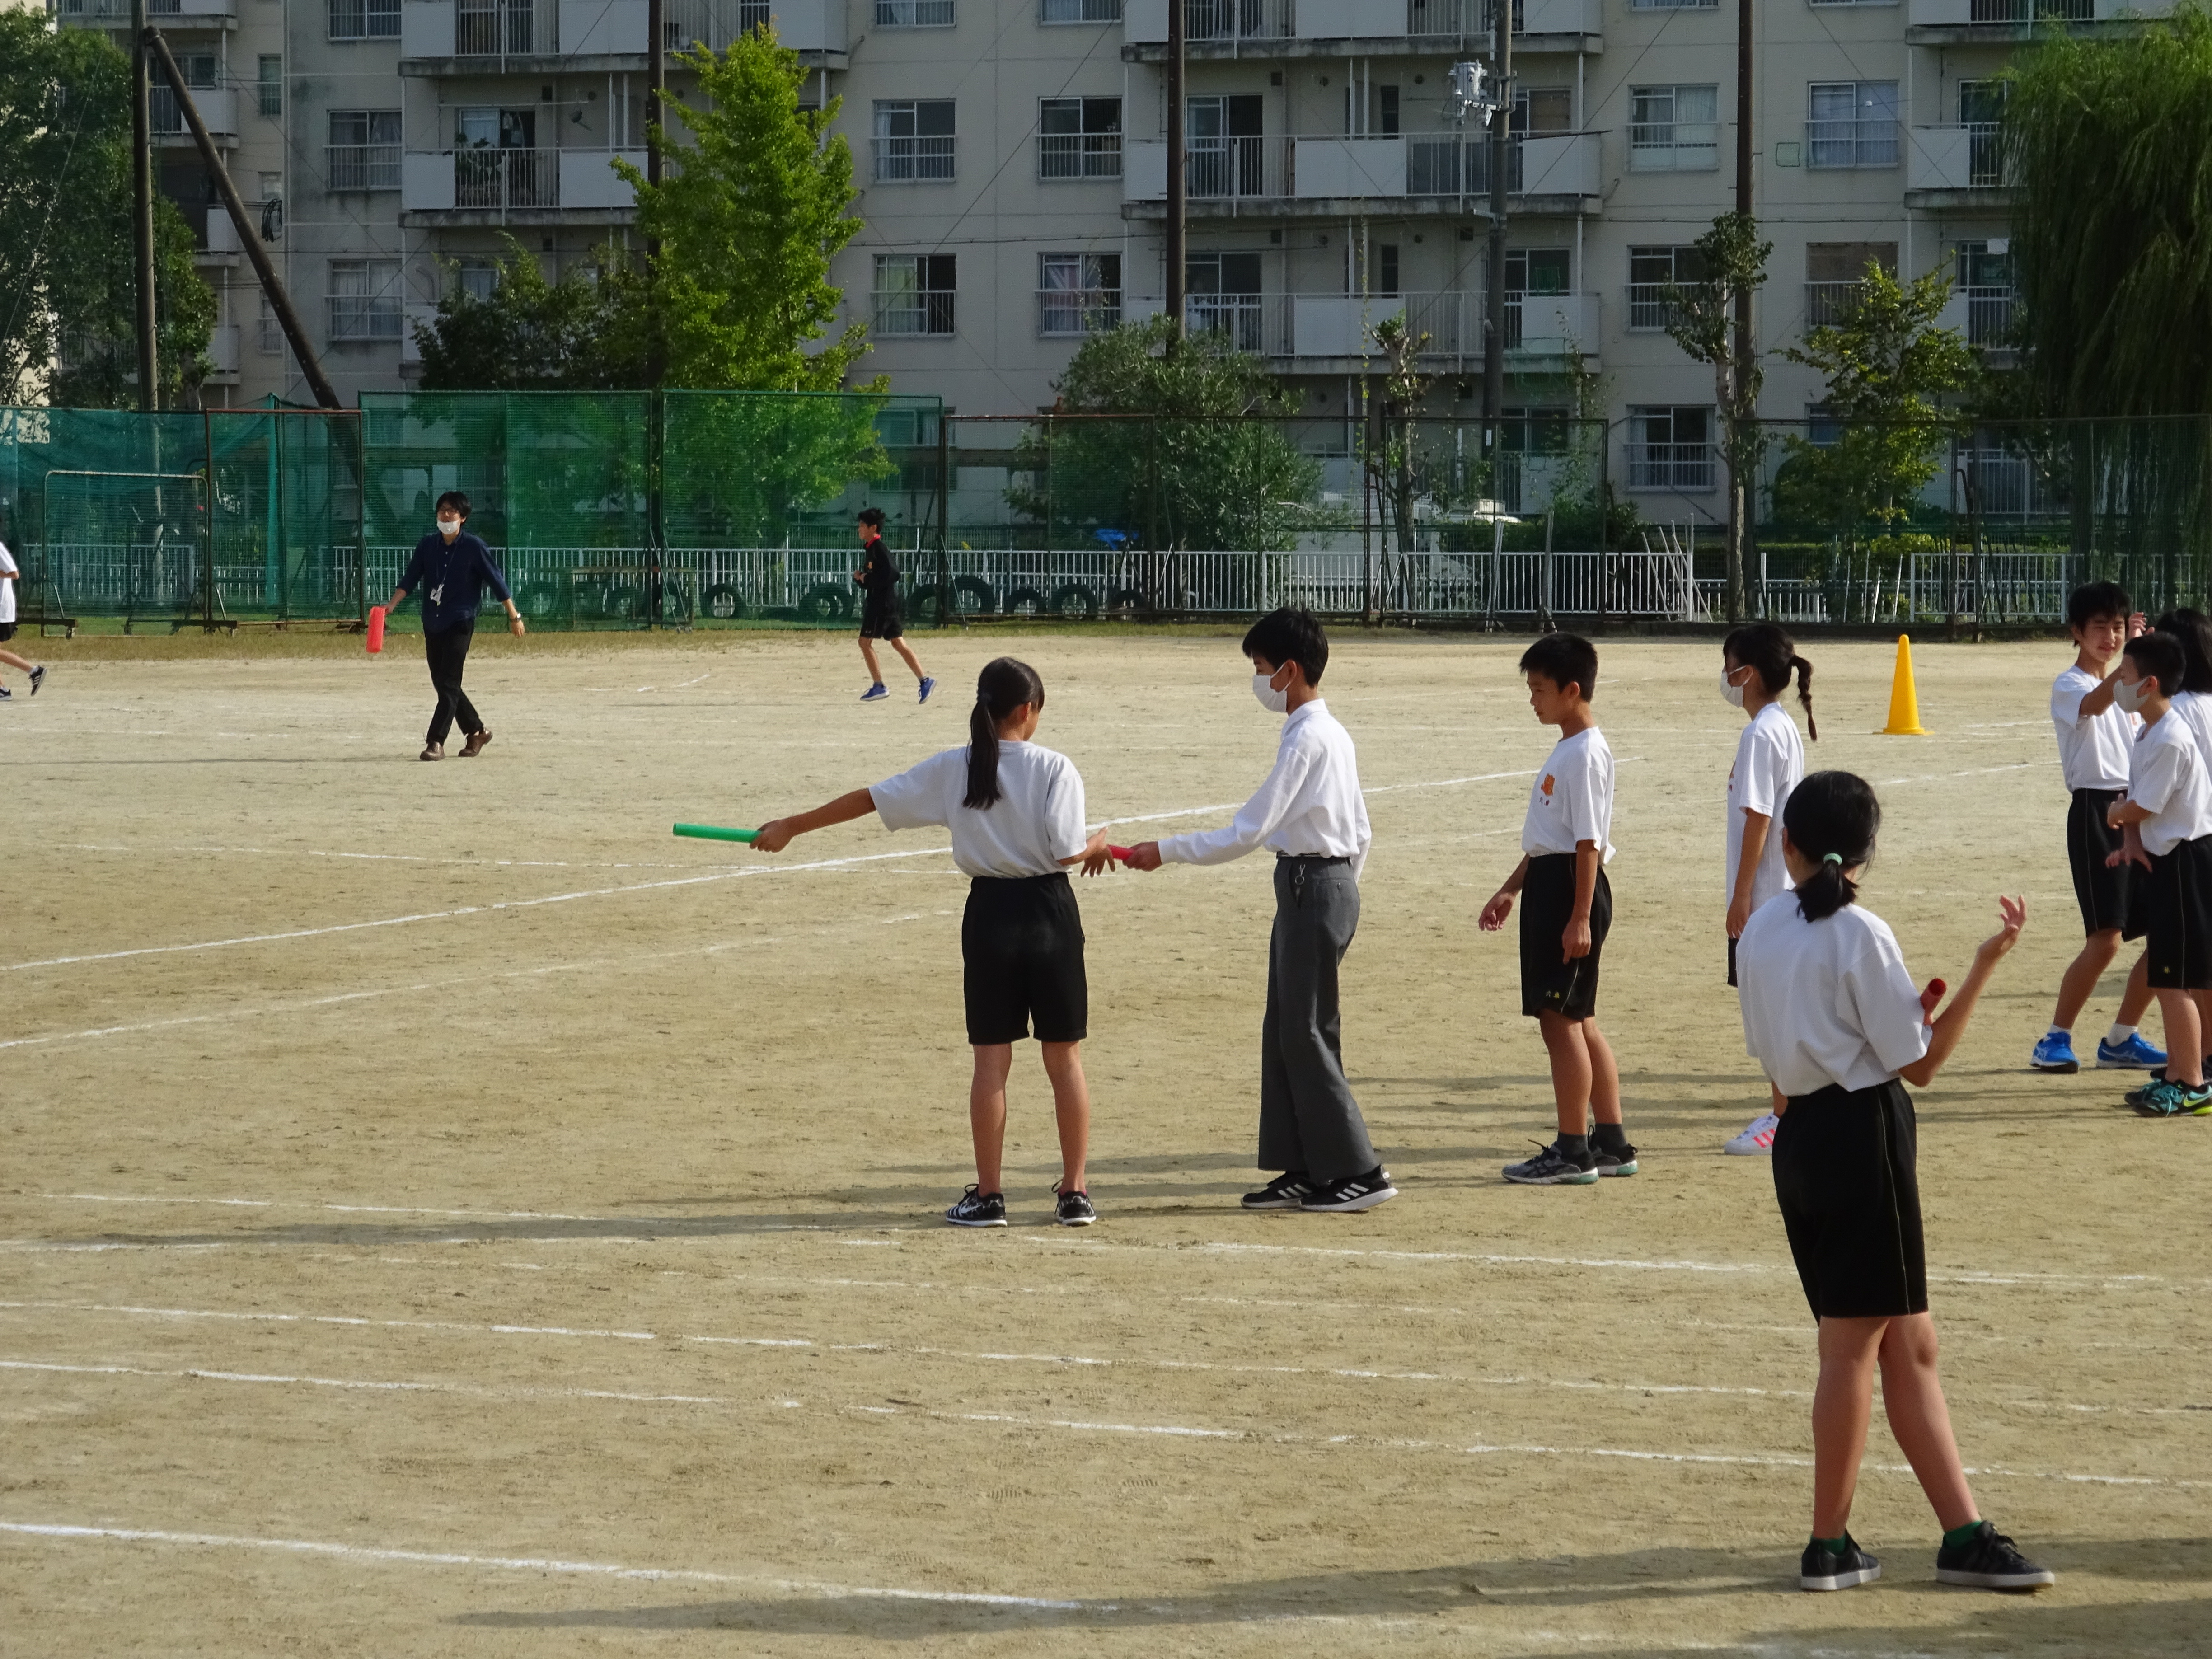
pixel 451 568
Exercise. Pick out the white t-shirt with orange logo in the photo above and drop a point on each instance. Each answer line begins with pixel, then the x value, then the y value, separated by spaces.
pixel 1571 800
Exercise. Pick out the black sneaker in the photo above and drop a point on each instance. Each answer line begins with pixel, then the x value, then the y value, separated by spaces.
pixel 1353 1192
pixel 6 695
pixel 977 1209
pixel 37 678
pixel 1075 1209
pixel 1553 1168
pixel 1989 1561
pixel 1821 1569
pixel 1286 1192
pixel 1614 1163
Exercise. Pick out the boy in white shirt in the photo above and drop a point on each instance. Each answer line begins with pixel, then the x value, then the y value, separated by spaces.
pixel 2095 741
pixel 1310 812
pixel 7 575
pixel 1565 842
pixel 2169 802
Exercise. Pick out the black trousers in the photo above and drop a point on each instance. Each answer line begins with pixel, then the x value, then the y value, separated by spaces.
pixel 448 652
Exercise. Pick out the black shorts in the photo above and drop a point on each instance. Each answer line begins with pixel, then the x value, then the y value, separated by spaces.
pixel 2176 899
pixel 1731 964
pixel 1843 1173
pixel 1021 953
pixel 2108 897
pixel 1549 984
pixel 880 619
pixel 7 632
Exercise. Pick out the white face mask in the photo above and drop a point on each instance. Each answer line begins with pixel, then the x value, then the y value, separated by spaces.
pixel 2130 695
pixel 1273 700
pixel 449 526
pixel 1731 693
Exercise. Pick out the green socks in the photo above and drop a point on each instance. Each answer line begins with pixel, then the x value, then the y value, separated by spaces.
pixel 1959 1536
pixel 1842 1546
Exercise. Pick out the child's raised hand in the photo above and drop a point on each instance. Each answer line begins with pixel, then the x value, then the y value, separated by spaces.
pixel 2138 625
pixel 2013 913
pixel 1494 913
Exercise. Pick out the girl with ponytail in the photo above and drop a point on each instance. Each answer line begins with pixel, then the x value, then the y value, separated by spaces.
pixel 1829 1012
pixel 1015 809
pixel 1756 660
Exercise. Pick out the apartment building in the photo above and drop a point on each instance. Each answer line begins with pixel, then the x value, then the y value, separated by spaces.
pixel 1013 160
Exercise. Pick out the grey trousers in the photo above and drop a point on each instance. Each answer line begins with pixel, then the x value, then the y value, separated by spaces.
pixel 1308 1119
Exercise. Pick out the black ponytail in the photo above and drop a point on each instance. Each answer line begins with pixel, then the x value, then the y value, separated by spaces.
pixel 1831 816
pixel 1004 685
pixel 1773 655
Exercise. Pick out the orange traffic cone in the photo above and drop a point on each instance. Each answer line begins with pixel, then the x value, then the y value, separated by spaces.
pixel 1903 700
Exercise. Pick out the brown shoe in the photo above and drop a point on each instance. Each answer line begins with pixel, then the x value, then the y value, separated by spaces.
pixel 434 751
pixel 474 746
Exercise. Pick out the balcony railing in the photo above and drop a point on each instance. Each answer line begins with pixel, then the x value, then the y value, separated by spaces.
pixel 1336 326
pixel 506 179
pixel 1209 20
pixel 1987 314
pixel 1687 467
pixel 1827 304
pixel 1079 155
pixel 2023 14
pixel 361 167
pixel 1968 157
pixel 218 108
pixel 915 159
pixel 1226 169
pixel 2031 11
pixel 913 14
pixel 111 13
pixel 364 317
pixel 1647 310
pixel 1869 142
pixel 1070 311
pixel 506 28
pixel 1334 169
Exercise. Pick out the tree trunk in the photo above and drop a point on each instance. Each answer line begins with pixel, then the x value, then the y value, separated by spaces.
pixel 1735 529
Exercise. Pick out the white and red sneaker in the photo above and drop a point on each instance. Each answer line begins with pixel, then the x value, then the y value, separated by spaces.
pixel 1757 1140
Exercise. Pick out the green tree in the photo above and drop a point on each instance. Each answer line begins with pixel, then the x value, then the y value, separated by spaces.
pixel 2109 143
pixel 1887 363
pixel 527 334
pixel 1193 472
pixel 748 214
pixel 67 310
pixel 1701 319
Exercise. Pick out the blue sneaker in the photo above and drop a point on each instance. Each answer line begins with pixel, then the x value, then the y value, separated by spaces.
pixel 876 693
pixel 2133 1055
pixel 929 685
pixel 2055 1053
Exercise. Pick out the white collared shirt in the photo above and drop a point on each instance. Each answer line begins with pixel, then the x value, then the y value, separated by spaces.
pixel 1309 805
pixel 2169 778
pixel 1826 1002
pixel 1572 800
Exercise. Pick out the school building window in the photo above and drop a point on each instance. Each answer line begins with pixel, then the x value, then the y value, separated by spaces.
pixel 915 293
pixel 1079 293
pixel 478 278
pixel 271 84
pixel 1080 139
pixel 913 140
pixel 1670 448
pixel 1222 295
pixel 364 299
pixel 1079 11
pixel 1650 270
pixel 269 334
pixel 913 14
pixel 1851 123
pixel 1674 129
pixel 364 20
pixel 1833 274
pixel 363 152
pixel 1984 278
pixel 1673 5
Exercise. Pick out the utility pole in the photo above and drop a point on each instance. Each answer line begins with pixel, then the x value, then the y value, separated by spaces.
pixel 656 87
pixel 142 208
pixel 1501 157
pixel 1177 202
pixel 1741 491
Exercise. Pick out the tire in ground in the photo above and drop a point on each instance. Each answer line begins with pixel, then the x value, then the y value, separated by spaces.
pixel 973 595
pixel 820 604
pixel 1025 602
pixel 722 603
pixel 1074 599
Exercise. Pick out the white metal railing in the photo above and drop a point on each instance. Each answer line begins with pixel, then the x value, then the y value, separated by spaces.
pixel 1687 467
pixel 913 14
pixel 1647 306
pixel 926 158
pixel 1079 155
pixel 1064 311
pixel 502 28
pixel 1990 315
pixel 361 167
pixel 1079 11
pixel 1826 304
pixel 1211 20
pixel 1853 142
pixel 506 177
pixel 1217 169
pixel 2031 11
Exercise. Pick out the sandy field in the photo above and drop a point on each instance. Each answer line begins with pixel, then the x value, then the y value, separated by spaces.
pixel 442 1214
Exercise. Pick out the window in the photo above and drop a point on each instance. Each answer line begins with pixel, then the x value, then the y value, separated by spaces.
pixel 364 299
pixel 1833 271
pixel 364 149
pixel 1670 448
pixel 1079 11
pixel 1981 109
pixel 1079 293
pixel 1222 153
pixel 913 140
pixel 913 14
pixel 486 29
pixel 269 335
pixel 1545 109
pixel 1222 296
pixel 1538 270
pixel 1674 129
pixel 272 207
pixel 1985 280
pixel 164 112
pixel 1672 5
pixel 1386 269
pixel 1822 429
pixel 1386 112
pixel 364 20
pixel 1851 124
pixel 478 278
pixel 1080 139
pixel 914 292
pixel 1650 269
pixel 271 84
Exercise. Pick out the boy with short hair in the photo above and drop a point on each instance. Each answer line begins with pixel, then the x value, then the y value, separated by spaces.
pixel 2169 802
pixel 878 577
pixel 1566 841
pixel 7 574
pixel 2095 740
pixel 1311 813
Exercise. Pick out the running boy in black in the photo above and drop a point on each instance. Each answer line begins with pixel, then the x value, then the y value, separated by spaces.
pixel 1565 842
pixel 452 569
pixel 1830 1013
pixel 880 619
pixel 1016 812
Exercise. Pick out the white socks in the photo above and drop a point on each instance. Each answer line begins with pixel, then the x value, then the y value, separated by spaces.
pixel 2118 1034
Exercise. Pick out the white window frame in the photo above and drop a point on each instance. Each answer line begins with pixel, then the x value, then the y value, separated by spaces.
pixel 370 162
pixel 362 20
pixel 1661 139
pixel 1053 14
pixel 1083 153
pixel 912 156
pixel 914 13
pixel 364 298
pixel 903 307
pixel 1835 143
pixel 1074 297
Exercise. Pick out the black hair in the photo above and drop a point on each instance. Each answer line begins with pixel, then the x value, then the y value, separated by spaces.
pixel 454 499
pixel 1773 655
pixel 2094 599
pixel 2192 630
pixel 1561 658
pixel 1833 818
pixel 872 517
pixel 2160 657
pixel 1293 633
pixel 1004 685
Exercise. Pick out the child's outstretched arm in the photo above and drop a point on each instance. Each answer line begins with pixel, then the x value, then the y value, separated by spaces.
pixel 1501 902
pixel 1950 1025
pixel 777 833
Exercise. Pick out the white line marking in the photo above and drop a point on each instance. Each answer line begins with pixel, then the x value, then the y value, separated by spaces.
pixel 282 1204
pixel 518 1392
pixel 1971 772
pixel 528 1564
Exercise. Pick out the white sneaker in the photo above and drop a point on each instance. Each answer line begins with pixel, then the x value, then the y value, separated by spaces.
pixel 1757 1140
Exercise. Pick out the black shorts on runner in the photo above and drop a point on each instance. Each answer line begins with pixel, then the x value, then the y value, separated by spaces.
pixel 880 619
pixel 1548 983
pixel 1021 953
pixel 2108 897
pixel 7 632
pixel 1845 1174
pixel 2176 899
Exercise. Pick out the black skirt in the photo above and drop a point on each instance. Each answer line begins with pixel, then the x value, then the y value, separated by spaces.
pixel 1844 1175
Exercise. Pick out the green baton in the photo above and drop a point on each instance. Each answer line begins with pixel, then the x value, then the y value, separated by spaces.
pixel 715 832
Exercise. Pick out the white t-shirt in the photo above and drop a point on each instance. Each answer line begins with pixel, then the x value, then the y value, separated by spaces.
pixel 1826 1002
pixel 1037 821
pixel 2195 708
pixel 1571 800
pixel 2091 750
pixel 1770 762
pixel 7 588
pixel 2172 780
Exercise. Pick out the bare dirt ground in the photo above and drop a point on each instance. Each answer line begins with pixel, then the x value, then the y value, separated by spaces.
pixel 441 1213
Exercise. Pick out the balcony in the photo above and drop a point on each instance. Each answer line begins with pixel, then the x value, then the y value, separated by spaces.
pixel 218 108
pixel 218 243
pixel 448 37
pixel 223 351
pixel 361 167
pixel 1828 304
pixel 1946 22
pixel 172 13
pixel 1956 167
pixel 1323 178
pixel 1320 29
pixel 514 186
pixel 1984 315
pixel 1334 333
